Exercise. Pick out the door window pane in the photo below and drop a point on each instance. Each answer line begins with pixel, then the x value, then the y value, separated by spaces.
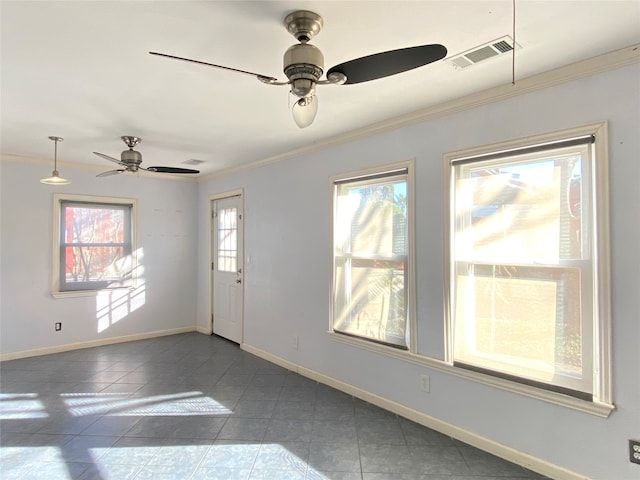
pixel 227 239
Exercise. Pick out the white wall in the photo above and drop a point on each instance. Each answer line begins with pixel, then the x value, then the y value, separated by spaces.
pixel 166 235
pixel 287 207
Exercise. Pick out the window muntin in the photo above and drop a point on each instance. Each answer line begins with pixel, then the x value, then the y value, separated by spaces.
pixel 227 239
pixel 370 250
pixel 94 243
pixel 523 278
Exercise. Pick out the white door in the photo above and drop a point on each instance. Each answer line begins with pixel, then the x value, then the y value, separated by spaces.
pixel 227 255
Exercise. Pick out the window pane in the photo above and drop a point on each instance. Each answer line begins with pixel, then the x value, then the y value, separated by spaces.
pixel 370 259
pixel 94 264
pixel 93 225
pixel 524 321
pixel 522 212
pixel 374 304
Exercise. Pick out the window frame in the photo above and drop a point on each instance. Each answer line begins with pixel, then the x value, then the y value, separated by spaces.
pixel 601 398
pixel 89 288
pixel 409 275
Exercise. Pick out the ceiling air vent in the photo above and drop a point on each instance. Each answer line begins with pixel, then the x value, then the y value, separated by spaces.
pixel 193 161
pixel 484 52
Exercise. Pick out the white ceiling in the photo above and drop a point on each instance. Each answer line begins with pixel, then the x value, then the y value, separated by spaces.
pixel 81 69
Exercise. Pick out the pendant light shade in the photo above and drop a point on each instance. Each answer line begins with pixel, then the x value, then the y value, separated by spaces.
pixel 55 178
pixel 305 110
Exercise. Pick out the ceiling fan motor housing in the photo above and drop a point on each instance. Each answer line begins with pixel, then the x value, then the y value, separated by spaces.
pixel 131 158
pixel 303 66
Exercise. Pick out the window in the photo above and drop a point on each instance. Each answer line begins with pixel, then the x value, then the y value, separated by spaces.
pixel 528 279
pixel 371 257
pixel 94 243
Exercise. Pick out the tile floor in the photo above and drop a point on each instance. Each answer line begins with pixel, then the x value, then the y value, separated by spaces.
pixel 193 406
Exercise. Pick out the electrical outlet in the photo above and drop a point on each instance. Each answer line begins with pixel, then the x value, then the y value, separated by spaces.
pixel 58 326
pixel 634 451
pixel 295 342
pixel 425 384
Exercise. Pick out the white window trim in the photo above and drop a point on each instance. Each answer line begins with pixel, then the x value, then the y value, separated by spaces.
pixel 55 266
pixel 409 165
pixel 602 394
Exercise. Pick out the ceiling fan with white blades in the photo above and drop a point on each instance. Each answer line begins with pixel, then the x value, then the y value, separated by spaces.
pixel 304 65
pixel 131 159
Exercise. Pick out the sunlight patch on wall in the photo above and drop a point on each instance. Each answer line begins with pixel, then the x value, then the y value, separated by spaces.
pixel 112 305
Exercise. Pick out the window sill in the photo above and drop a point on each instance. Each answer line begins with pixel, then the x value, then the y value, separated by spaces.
pixel 594 408
pixel 87 293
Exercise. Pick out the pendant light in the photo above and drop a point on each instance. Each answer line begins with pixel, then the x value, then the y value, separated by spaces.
pixel 55 178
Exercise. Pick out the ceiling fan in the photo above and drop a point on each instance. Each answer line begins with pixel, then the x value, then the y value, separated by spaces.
pixel 131 159
pixel 304 65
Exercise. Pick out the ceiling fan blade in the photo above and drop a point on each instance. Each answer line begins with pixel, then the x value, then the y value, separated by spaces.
pixel 107 157
pixel 258 75
pixel 111 172
pixel 171 170
pixel 380 65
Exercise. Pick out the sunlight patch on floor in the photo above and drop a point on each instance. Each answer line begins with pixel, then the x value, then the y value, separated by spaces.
pixel 15 406
pixel 176 404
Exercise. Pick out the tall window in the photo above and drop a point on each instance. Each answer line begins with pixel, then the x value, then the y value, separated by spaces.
pixel 94 243
pixel 370 257
pixel 524 275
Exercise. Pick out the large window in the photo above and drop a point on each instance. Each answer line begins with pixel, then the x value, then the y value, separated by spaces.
pixel 371 257
pixel 528 284
pixel 94 243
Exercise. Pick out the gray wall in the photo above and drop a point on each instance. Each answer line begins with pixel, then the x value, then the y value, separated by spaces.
pixel 287 214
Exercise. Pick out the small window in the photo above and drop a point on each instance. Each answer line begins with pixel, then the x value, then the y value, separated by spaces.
pixel 371 257
pixel 526 278
pixel 94 243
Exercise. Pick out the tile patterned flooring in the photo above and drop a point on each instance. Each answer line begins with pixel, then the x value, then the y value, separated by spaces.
pixel 194 407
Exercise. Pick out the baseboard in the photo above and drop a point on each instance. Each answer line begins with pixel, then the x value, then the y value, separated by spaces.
pixel 93 343
pixel 269 357
pixel 204 330
pixel 500 450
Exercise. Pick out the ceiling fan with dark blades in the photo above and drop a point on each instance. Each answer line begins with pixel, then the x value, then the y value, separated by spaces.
pixel 304 65
pixel 131 160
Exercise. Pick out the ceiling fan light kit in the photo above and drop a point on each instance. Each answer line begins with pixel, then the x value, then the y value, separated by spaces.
pixel 305 110
pixel 303 64
pixel 55 178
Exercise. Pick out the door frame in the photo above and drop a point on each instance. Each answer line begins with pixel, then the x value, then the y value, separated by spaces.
pixel 212 199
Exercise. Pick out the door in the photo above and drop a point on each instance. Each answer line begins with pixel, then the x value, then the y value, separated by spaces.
pixel 227 256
